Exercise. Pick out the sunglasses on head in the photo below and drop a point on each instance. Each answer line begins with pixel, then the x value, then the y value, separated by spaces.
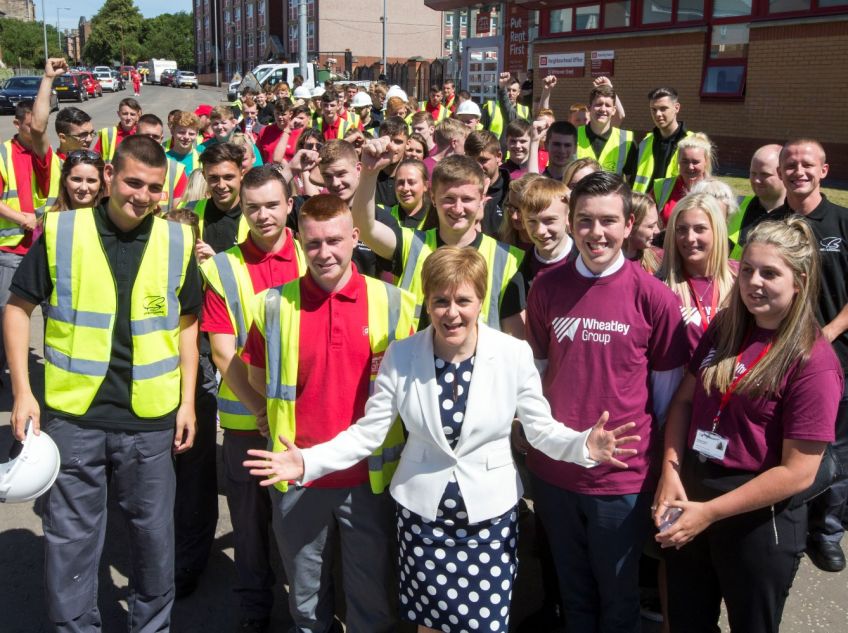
pixel 79 155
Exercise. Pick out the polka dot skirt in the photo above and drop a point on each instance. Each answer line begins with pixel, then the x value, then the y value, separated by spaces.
pixel 456 576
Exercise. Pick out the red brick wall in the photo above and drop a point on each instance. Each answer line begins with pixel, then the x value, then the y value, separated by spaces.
pixel 797 84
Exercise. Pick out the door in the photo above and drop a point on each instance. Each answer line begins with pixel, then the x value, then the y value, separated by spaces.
pixel 480 67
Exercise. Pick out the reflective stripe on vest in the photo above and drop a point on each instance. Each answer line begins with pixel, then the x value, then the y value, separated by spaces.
pixel 395 211
pixel 662 191
pixel 344 126
pixel 81 315
pixel 440 116
pixel 734 227
pixel 12 234
pixel 614 153
pixel 645 164
pixel 198 207
pixel 108 138
pixel 502 262
pixel 227 274
pixel 172 177
pixel 390 317
pixel 496 120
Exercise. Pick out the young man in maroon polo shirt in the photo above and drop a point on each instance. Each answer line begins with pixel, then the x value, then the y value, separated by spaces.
pixel 269 257
pixel 335 354
pixel 629 356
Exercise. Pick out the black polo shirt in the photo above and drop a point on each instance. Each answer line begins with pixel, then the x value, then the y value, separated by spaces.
pixel 493 211
pixel 754 214
pixel 829 222
pixel 220 228
pixel 111 408
pixel 386 189
pixel 598 142
pixel 663 149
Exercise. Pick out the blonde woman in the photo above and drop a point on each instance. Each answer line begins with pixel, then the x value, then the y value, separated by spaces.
pixel 579 169
pixel 646 227
pixel 511 230
pixel 745 434
pixel 722 192
pixel 696 160
pixel 695 261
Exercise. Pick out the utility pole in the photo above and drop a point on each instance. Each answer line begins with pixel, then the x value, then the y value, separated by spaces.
pixel 385 39
pixel 44 28
pixel 302 39
pixel 215 28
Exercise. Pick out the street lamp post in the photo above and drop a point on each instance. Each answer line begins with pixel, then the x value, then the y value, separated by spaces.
pixel 58 32
pixel 385 20
pixel 44 28
pixel 215 28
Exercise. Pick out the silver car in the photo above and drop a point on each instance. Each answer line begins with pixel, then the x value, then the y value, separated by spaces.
pixel 185 78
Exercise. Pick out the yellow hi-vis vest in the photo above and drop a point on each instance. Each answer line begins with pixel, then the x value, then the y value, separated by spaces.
pixel 734 227
pixel 395 211
pixel 344 126
pixel 442 114
pixel 662 191
pixel 108 143
pixel 227 274
pixel 613 155
pixel 172 177
pixel 198 207
pixel 645 164
pixel 11 234
pixel 496 119
pixel 502 262
pixel 390 317
pixel 81 315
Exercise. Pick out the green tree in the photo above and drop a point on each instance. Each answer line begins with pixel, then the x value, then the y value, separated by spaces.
pixel 169 36
pixel 115 34
pixel 22 43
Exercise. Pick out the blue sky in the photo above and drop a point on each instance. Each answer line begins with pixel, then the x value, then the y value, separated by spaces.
pixel 87 8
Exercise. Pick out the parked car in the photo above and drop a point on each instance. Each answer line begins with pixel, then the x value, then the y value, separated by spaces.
pixel 91 84
pixel 185 78
pixel 101 69
pixel 119 81
pixel 107 82
pixel 70 88
pixel 167 77
pixel 17 89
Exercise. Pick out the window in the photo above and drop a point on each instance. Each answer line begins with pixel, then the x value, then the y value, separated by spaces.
pixel 656 11
pixel 689 10
pixel 249 11
pixel 237 14
pixel 731 8
pixel 823 4
pixel 226 17
pixel 617 14
pixel 588 18
pixel 560 20
pixel 261 7
pixel 727 65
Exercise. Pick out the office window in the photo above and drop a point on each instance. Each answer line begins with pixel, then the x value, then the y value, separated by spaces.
pixel 617 14
pixel 726 68
pixel 731 8
pixel 587 18
pixel 690 10
pixel 561 20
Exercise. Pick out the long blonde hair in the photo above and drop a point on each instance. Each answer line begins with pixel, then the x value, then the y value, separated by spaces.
pixel 700 141
pixel 673 272
pixel 797 333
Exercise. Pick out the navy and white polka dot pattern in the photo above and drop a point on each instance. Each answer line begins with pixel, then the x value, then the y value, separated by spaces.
pixel 456 576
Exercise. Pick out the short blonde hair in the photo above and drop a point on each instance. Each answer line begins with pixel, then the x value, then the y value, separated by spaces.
pixel 457 170
pixel 450 130
pixel 451 266
pixel 221 112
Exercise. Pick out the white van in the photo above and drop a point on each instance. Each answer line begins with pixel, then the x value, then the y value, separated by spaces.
pixel 272 74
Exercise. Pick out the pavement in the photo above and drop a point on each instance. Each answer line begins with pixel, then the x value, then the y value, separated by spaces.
pixel 818 602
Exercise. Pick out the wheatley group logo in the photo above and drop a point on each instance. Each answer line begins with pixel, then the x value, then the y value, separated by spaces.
pixel 594 331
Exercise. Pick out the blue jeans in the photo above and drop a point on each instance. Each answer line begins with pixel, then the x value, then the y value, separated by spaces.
pixel 596 541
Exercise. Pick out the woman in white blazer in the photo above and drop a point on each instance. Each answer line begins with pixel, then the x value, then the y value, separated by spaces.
pixel 457 386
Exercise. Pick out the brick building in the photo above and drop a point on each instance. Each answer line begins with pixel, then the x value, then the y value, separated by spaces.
pixel 748 72
pixel 23 10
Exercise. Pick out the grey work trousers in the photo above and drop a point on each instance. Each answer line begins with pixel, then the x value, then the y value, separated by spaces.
pixel 8 266
pixel 140 468
pixel 307 522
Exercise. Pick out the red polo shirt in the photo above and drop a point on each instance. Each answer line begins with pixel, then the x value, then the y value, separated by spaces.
pixel 433 109
pixel 333 368
pixel 26 164
pixel 120 136
pixel 266 270
pixel 331 131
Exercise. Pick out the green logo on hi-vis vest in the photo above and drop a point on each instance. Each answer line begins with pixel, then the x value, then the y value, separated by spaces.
pixel 154 306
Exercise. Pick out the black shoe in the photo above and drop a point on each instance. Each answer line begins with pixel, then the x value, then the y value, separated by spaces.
pixel 826 555
pixel 185 583
pixel 253 625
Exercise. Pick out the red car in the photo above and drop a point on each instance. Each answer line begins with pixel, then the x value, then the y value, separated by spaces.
pixel 92 86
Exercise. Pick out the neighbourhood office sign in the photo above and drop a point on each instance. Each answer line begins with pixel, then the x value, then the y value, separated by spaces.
pixel 563 64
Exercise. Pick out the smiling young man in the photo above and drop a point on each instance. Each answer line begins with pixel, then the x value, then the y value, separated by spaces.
pixel 151 126
pixel 485 148
pixel 397 131
pixel 518 148
pixel 330 327
pixel 803 167
pixel 223 124
pixel 658 150
pixel 561 143
pixel 769 194
pixel 182 146
pixel 129 111
pixel 612 147
pixel 458 190
pixel 498 114
pixel 629 355
pixel 120 366
pixel 269 257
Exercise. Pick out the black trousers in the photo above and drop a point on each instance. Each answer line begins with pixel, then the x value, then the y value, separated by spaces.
pixel 196 507
pixel 749 560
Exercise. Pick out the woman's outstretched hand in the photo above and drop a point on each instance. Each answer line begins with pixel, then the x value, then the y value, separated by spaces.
pixel 285 465
pixel 605 446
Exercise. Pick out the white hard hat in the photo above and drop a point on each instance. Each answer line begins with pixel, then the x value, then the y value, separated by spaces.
pixel 360 100
pixel 317 91
pixel 302 92
pixel 468 107
pixel 396 91
pixel 32 471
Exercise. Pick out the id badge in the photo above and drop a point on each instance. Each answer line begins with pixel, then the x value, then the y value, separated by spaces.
pixel 710 444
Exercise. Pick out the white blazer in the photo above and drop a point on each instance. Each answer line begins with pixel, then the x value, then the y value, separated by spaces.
pixel 504 381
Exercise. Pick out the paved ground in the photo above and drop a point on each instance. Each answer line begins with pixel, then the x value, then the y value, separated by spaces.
pixel 818 603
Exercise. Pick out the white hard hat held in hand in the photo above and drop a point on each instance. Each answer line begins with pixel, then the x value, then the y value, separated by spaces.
pixel 31 472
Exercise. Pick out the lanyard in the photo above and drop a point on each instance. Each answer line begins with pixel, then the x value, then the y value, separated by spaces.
pixel 725 397
pixel 705 319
